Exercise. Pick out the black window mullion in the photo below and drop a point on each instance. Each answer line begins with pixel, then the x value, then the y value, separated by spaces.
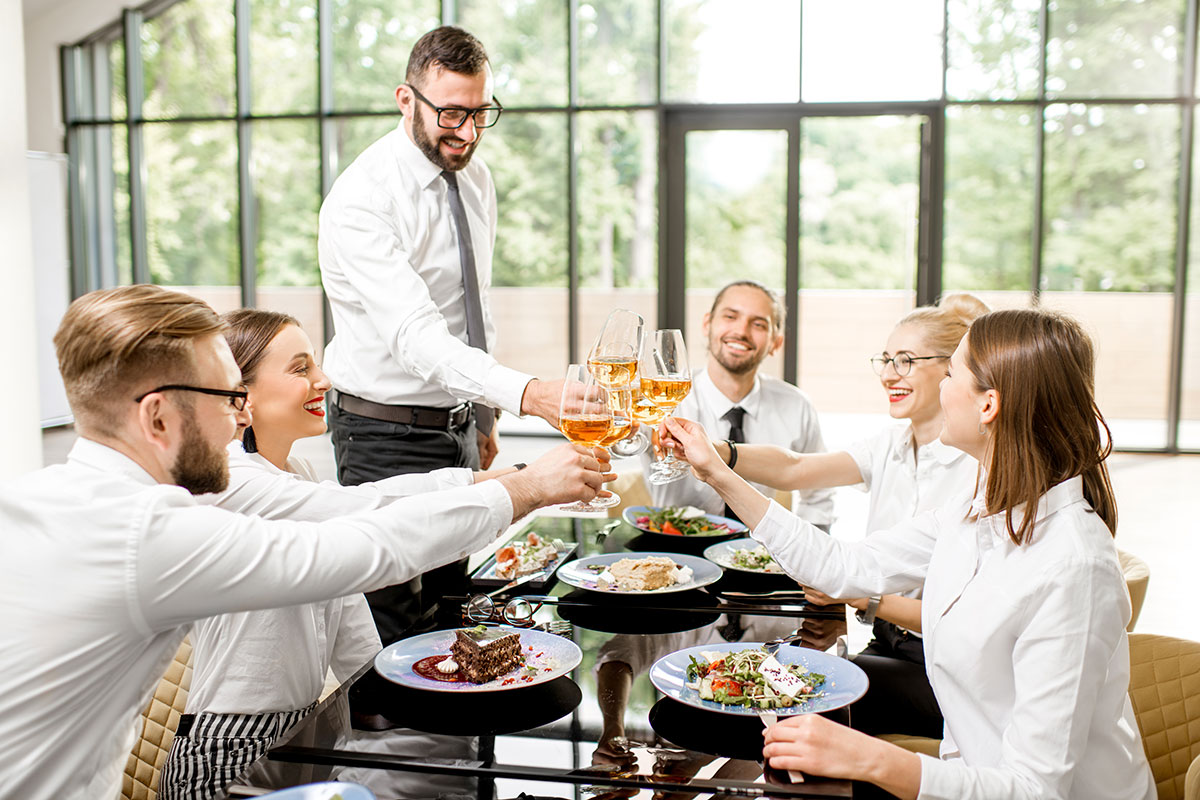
pixel 69 61
pixel 931 205
pixel 134 96
pixel 791 280
pixel 572 183
pixel 327 133
pixel 247 218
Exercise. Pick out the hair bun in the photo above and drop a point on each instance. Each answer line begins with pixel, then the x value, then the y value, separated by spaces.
pixel 963 305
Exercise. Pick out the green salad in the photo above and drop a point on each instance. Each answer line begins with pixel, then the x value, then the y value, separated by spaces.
pixel 681 521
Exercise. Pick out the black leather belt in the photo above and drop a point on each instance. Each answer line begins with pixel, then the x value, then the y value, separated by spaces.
pixel 418 416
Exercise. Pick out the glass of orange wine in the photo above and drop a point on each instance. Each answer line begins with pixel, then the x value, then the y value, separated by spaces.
pixel 613 359
pixel 666 378
pixel 586 417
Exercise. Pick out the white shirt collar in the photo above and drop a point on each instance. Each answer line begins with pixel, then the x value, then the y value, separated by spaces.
pixel 716 400
pixel 1055 499
pixel 940 452
pixel 410 156
pixel 105 459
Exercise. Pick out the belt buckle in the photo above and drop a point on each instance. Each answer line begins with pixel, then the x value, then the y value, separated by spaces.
pixel 458 415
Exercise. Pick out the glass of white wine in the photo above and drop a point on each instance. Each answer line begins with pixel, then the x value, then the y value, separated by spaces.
pixel 666 378
pixel 613 361
pixel 586 417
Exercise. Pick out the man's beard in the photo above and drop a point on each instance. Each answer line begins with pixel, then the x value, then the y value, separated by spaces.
pixel 736 367
pixel 430 146
pixel 200 468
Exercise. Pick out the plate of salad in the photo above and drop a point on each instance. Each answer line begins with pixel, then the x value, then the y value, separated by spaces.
pixel 729 678
pixel 743 555
pixel 686 521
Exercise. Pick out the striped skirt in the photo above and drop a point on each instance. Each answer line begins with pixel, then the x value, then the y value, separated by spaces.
pixel 211 751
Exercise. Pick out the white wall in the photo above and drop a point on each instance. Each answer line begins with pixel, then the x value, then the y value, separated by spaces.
pixel 48 24
pixel 20 433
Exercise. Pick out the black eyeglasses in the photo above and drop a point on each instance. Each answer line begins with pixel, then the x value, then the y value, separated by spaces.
pixel 237 399
pixel 453 118
pixel 902 362
pixel 518 612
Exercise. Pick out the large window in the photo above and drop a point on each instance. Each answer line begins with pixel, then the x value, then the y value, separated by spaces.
pixel 1035 152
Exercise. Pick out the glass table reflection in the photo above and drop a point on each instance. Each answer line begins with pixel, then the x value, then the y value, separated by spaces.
pixel 603 731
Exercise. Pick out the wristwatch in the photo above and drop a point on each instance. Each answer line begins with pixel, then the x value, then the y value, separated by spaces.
pixel 867 615
pixel 519 466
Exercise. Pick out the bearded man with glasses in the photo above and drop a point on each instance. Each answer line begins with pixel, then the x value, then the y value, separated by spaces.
pixel 405 248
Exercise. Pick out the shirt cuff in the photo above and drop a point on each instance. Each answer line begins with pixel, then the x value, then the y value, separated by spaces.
pixel 452 477
pixel 500 504
pixel 936 780
pixel 776 525
pixel 505 387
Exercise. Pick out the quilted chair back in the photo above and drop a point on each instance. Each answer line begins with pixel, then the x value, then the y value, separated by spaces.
pixel 1137 579
pixel 1164 685
pixel 159 722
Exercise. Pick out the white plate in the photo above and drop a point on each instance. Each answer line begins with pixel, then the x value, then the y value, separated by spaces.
pixel 845 681
pixel 721 553
pixel 579 573
pixel 551 655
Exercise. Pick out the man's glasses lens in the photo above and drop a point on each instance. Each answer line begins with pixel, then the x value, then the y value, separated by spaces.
pixel 455 117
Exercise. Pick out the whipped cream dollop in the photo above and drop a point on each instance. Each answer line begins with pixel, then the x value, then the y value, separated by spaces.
pixel 447 665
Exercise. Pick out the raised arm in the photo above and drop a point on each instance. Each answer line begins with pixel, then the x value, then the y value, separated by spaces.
pixel 781 468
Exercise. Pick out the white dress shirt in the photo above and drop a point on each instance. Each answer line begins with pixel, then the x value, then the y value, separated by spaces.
pixel 257 662
pixel 905 481
pixel 102 570
pixel 1025 647
pixel 776 413
pixel 388 252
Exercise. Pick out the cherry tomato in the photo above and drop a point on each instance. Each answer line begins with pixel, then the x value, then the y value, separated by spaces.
pixel 671 529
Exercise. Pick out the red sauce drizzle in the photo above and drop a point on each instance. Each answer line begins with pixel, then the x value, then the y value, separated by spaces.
pixel 427 668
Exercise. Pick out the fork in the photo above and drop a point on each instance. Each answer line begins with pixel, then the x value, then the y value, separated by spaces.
pixel 769 718
pixel 772 646
pixel 558 627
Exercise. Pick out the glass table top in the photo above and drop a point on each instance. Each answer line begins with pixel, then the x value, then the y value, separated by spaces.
pixel 601 731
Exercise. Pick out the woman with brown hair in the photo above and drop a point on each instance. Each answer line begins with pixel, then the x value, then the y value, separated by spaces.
pixel 258 672
pixel 1024 610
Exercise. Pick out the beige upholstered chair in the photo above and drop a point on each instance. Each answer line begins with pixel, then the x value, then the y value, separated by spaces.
pixel 1164 685
pixel 1137 578
pixel 159 721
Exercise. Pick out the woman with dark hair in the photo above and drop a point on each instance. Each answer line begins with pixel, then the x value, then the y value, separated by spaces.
pixel 1025 607
pixel 256 673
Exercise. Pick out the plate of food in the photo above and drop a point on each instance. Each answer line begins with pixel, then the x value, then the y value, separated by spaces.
pixel 743 555
pixel 485 658
pixel 525 554
pixel 739 678
pixel 685 521
pixel 639 573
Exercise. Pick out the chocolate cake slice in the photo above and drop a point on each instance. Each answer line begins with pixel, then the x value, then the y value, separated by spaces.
pixel 485 653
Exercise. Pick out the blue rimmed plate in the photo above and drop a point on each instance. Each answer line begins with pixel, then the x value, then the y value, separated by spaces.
pixel 584 573
pixel 722 553
pixel 549 655
pixel 844 681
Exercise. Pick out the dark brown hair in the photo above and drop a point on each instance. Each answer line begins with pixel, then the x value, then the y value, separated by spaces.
pixel 114 344
pixel 448 48
pixel 1048 429
pixel 778 310
pixel 250 333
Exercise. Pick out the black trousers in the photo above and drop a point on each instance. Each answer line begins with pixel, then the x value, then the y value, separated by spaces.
pixel 899 699
pixel 370 450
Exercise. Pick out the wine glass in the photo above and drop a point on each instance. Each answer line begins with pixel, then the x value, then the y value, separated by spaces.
pixel 666 378
pixel 613 361
pixel 585 417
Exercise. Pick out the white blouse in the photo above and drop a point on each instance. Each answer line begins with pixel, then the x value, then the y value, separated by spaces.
pixel 1025 647
pixel 256 662
pixel 905 481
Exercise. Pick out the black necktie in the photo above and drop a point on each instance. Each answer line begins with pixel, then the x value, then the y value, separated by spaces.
pixel 735 416
pixel 484 417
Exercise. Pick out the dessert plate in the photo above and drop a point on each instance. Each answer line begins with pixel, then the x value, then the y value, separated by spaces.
pixel 549 655
pixel 845 682
pixel 584 573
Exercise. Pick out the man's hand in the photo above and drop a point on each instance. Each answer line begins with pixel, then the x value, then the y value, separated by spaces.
pixel 489 446
pixel 565 474
pixel 542 399
pixel 692 445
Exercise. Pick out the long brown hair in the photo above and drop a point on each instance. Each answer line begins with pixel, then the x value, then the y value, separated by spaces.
pixel 1042 365
pixel 250 331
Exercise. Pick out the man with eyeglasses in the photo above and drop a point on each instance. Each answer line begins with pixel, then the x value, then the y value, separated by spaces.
pixel 106 560
pixel 405 248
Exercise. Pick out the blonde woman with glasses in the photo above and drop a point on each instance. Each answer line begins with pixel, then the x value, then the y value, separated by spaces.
pixel 1025 608
pixel 907 470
